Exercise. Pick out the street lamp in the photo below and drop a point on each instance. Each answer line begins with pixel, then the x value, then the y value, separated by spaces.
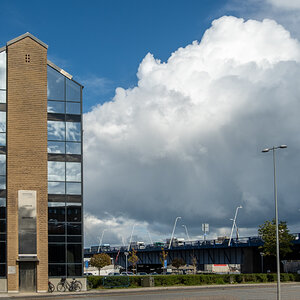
pixel 100 240
pixel 177 218
pixel 234 224
pixel 186 231
pixel 276 215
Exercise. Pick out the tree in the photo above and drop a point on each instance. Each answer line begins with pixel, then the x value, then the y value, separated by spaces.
pixel 100 260
pixel 194 263
pixel 163 256
pixel 267 232
pixel 133 259
pixel 178 262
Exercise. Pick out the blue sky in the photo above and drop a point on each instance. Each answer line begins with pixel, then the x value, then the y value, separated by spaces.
pixel 187 138
pixel 101 43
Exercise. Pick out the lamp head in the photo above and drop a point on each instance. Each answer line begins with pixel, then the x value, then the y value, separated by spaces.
pixel 283 146
pixel 265 150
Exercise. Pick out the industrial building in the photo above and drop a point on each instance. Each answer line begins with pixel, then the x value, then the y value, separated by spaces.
pixel 40 168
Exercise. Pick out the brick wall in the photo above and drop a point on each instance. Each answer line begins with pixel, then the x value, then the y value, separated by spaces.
pixel 27 148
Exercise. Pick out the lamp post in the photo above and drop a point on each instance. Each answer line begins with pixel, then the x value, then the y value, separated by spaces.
pixel 276 215
pixel 177 218
pixel 234 224
pixel 186 231
pixel 100 240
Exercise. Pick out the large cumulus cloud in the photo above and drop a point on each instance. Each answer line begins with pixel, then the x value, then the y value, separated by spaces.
pixel 186 140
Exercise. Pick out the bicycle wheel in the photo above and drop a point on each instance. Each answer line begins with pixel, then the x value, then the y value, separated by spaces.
pixel 79 283
pixel 77 286
pixel 51 287
pixel 61 287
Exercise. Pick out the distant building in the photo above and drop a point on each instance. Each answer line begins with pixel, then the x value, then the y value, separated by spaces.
pixel 41 230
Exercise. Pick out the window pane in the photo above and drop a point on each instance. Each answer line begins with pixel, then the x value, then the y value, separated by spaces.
pixel 74 270
pixel 74 229
pixel 56 131
pixel 73 148
pixel 57 213
pixel 2 270
pixel 55 85
pixel 56 228
pixel 73 188
pixel 73 131
pixel 2 139
pixel 3 70
pixel 57 270
pixel 73 212
pixel 3 226
pixel 2 182
pixel 57 253
pixel 73 91
pixel 2 96
pixel 56 147
pixel 2 252
pixel 2 121
pixel 2 208
pixel 74 239
pixel 56 171
pixel 2 164
pixel 56 188
pixel 74 253
pixel 73 108
pixel 56 238
pixel 73 170
pixel 56 107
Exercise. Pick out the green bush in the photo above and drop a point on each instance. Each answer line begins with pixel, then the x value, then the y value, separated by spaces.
pixel 239 278
pixel 261 277
pixel 115 281
pixel 96 281
pixel 199 279
pixel 272 277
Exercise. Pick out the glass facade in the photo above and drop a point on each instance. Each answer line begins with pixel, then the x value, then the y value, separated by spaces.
pixel 3 164
pixel 64 175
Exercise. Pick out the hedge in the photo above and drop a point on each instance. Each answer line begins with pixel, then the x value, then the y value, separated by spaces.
pixel 199 279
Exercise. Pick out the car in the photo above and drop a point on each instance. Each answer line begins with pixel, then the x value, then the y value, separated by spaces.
pixel 142 273
pixel 88 274
pixel 114 274
pixel 127 274
pixel 153 273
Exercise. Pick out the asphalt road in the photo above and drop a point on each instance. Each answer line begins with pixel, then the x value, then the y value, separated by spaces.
pixel 254 292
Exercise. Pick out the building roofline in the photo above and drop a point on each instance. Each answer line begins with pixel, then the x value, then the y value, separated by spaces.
pixel 63 72
pixel 2 49
pixel 23 36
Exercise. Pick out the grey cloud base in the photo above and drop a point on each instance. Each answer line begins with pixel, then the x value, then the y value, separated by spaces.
pixel 187 140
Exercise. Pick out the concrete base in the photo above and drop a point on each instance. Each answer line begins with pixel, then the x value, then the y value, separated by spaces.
pixel 3 285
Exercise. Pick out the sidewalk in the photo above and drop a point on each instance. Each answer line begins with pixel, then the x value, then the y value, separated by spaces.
pixel 96 292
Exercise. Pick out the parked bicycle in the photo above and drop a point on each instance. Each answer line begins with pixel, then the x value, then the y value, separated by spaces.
pixel 51 287
pixel 73 286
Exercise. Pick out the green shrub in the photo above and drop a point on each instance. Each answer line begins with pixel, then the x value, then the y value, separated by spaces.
pixel 272 277
pixel 115 281
pixel 199 279
pixel 261 277
pixel 239 278
pixel 96 281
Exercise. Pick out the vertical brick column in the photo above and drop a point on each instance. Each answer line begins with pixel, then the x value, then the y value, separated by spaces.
pixel 27 149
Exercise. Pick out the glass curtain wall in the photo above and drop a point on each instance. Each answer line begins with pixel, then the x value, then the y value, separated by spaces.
pixel 3 164
pixel 64 175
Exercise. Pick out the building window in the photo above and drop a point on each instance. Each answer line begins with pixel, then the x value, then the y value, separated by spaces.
pixel 64 176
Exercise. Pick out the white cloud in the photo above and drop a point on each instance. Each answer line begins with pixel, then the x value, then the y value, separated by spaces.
pixel 186 140
pixel 285 4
